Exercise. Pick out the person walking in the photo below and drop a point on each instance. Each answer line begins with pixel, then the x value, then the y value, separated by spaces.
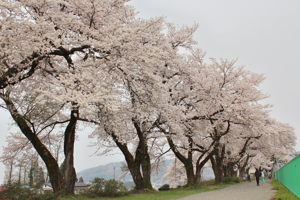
pixel 249 177
pixel 257 175
pixel 263 178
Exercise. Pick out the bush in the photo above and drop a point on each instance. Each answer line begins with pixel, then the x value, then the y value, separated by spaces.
pixel 164 187
pixel 97 186
pixel 227 179
pixel 114 188
pixel 105 188
pixel 231 179
pixel 236 180
pixel 18 191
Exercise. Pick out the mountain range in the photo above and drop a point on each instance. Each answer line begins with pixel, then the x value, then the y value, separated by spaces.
pixel 113 171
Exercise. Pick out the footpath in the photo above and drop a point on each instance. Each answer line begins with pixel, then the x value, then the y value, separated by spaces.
pixel 242 191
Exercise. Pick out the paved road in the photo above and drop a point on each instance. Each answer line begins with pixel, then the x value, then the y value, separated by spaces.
pixel 243 191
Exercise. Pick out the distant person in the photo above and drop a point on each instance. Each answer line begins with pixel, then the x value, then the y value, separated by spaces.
pixel 262 178
pixel 249 177
pixel 257 175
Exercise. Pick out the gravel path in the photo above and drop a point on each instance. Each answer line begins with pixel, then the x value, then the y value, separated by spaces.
pixel 243 191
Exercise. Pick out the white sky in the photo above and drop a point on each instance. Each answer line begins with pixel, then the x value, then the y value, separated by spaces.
pixel 262 34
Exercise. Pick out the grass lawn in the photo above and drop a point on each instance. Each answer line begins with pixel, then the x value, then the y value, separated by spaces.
pixel 163 195
pixel 283 193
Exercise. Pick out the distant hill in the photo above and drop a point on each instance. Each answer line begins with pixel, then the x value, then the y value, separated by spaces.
pixel 113 170
pixel 108 171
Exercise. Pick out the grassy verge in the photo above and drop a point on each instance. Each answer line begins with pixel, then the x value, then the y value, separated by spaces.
pixel 283 193
pixel 164 195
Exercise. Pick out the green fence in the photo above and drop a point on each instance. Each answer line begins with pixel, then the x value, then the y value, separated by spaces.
pixel 289 176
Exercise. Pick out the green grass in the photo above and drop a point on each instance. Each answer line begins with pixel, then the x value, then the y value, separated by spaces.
pixel 163 195
pixel 283 193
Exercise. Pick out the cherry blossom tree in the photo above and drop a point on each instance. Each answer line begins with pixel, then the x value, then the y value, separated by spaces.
pixel 143 95
pixel 80 48
pixel 275 133
pixel 213 98
pixel 94 61
pixel 36 122
pixel 237 148
pixel 85 49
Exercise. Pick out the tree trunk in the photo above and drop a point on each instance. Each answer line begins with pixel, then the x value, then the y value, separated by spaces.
pixel 144 155
pixel 133 164
pixel 137 177
pixel 219 174
pixel 190 174
pixel 10 173
pixel 187 162
pixel 243 165
pixel 146 169
pixel 198 173
pixel 225 169
pixel 198 179
pixel 200 165
pixel 247 169
pixel 19 180
pixel 242 171
pixel 232 173
pixel 69 170
pixel 217 162
pixel 50 162
pixel 24 182
pixel 229 170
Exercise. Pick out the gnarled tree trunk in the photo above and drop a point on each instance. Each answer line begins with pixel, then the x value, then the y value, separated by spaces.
pixel 217 162
pixel 142 181
pixel 69 170
pixel 143 155
pixel 187 162
pixel 200 164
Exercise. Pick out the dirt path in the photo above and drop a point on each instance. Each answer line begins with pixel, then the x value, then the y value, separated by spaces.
pixel 243 191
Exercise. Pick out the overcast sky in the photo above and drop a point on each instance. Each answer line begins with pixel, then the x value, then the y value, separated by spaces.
pixel 262 34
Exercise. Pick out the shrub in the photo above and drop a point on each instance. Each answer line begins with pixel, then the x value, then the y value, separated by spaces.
pixel 16 191
pixel 105 188
pixel 97 186
pixel 226 179
pixel 236 180
pixel 164 187
pixel 231 179
pixel 49 195
pixel 114 188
